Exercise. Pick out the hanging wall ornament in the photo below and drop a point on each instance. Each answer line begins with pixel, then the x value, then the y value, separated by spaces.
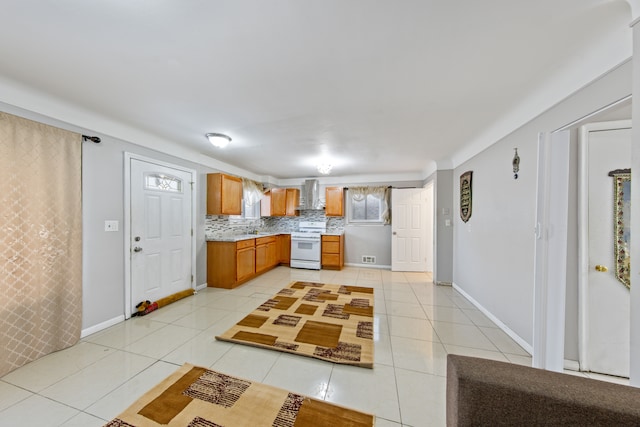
pixel 465 195
pixel 516 164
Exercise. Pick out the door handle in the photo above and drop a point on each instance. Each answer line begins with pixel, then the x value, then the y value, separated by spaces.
pixel 601 268
pixel 137 249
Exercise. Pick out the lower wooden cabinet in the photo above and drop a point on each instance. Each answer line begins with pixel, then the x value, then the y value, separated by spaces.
pixel 230 264
pixel 284 248
pixel 332 252
pixel 266 253
pixel 245 264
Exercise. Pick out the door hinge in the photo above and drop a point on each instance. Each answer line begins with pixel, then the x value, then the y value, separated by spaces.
pixel 192 232
pixel 192 278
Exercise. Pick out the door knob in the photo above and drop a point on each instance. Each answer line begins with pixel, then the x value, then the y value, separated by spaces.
pixel 601 268
pixel 137 249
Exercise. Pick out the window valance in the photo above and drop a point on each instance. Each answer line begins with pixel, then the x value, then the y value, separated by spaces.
pixel 251 191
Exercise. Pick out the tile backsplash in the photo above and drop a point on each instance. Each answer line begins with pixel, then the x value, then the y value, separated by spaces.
pixel 221 225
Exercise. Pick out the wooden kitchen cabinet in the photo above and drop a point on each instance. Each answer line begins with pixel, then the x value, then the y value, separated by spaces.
pixel 266 253
pixel 224 194
pixel 280 202
pixel 230 263
pixel 332 252
pixel 245 264
pixel 292 202
pixel 284 248
pixel 334 201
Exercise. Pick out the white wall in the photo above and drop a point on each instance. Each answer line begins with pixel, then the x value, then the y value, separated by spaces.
pixel 635 202
pixel 443 197
pixel 494 252
pixel 430 209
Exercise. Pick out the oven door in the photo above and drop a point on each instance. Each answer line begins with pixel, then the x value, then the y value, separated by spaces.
pixel 305 249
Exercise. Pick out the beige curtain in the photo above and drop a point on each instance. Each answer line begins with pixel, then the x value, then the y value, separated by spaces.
pixel 40 240
pixel 252 191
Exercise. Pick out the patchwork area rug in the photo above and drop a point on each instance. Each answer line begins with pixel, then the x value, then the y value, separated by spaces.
pixel 197 397
pixel 325 321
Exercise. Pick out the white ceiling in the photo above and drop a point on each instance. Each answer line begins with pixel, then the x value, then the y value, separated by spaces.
pixel 377 86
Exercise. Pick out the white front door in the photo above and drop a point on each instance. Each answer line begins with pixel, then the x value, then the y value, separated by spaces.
pixel 608 300
pixel 161 231
pixel 409 229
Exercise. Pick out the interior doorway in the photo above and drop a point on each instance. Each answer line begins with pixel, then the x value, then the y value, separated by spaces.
pixel 550 342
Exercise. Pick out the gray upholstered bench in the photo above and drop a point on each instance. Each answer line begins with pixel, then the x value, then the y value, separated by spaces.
pixel 483 392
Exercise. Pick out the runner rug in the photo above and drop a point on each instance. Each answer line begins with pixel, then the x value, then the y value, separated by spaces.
pixel 325 321
pixel 198 397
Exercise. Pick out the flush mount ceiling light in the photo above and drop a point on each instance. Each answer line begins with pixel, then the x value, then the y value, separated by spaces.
pixel 325 168
pixel 219 140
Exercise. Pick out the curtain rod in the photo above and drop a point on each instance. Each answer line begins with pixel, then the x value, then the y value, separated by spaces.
pixel 346 188
pixel 95 139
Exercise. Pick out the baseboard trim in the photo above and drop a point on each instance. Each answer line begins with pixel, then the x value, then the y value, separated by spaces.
pixel 571 365
pixel 201 287
pixel 380 267
pixel 525 345
pixel 100 326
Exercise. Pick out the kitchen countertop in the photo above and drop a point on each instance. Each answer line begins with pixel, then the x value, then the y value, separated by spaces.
pixel 239 237
pixel 333 233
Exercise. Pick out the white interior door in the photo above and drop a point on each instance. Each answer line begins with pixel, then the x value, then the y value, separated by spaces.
pixel 409 229
pixel 608 300
pixel 161 231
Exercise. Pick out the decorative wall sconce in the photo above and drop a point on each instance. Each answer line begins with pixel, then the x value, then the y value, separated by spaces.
pixel 516 164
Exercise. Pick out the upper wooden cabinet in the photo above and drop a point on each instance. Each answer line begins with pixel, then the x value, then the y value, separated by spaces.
pixel 224 194
pixel 292 202
pixel 280 202
pixel 334 201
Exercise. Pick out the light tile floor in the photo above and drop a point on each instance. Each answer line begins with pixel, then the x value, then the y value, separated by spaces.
pixel 416 325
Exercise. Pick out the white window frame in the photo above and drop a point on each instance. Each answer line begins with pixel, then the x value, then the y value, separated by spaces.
pixel 254 213
pixel 350 211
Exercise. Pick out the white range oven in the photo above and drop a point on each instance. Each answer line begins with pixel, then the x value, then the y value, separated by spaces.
pixel 306 245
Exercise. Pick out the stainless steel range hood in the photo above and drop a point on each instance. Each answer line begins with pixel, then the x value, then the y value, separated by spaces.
pixel 310 199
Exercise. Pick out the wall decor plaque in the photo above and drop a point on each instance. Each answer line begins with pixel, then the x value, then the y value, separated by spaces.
pixel 465 195
pixel 621 223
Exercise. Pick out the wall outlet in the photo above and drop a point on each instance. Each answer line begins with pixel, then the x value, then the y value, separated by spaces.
pixel 368 259
pixel 111 225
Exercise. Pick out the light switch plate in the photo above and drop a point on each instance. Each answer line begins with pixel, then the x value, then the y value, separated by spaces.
pixel 111 225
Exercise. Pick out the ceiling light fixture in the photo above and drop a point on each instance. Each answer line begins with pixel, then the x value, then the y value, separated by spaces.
pixel 219 140
pixel 325 168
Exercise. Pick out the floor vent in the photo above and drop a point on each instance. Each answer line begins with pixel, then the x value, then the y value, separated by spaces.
pixel 368 259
